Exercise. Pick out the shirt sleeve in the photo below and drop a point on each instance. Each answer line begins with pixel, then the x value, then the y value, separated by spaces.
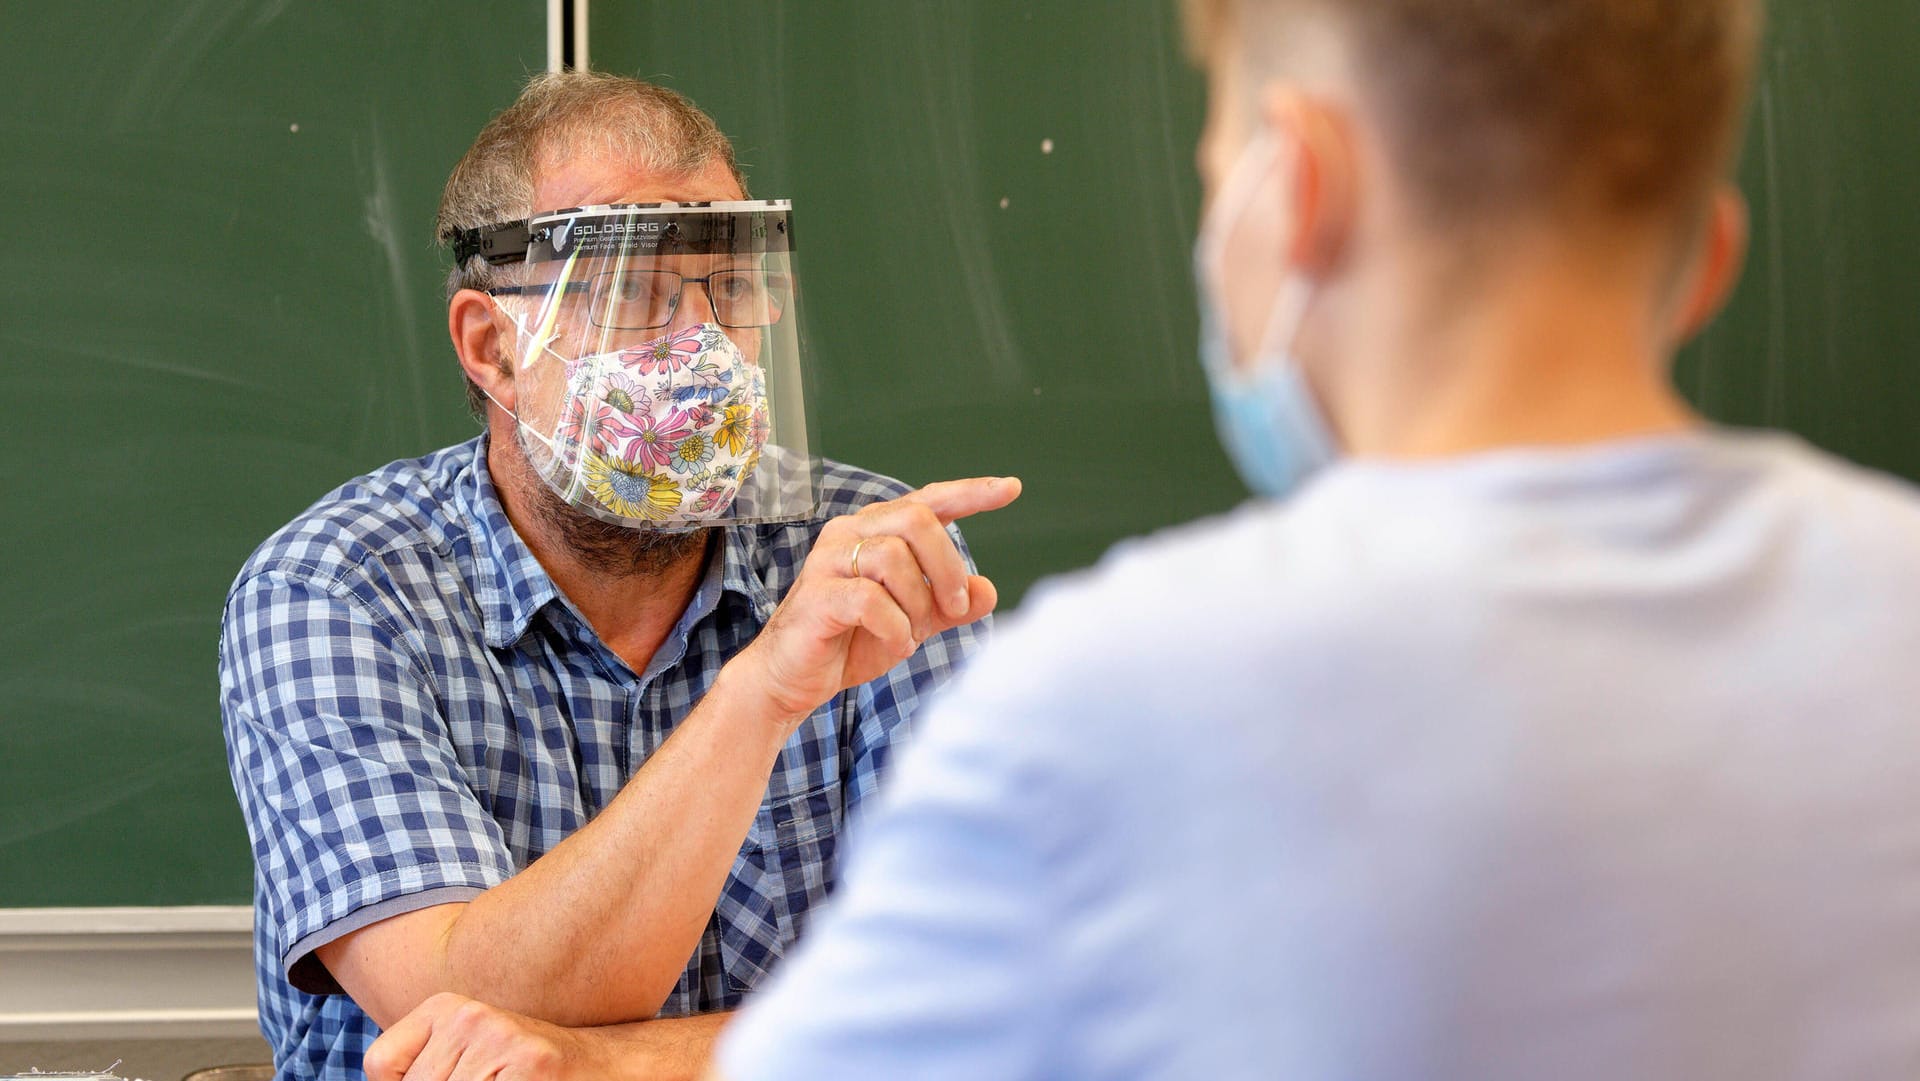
pixel 355 802
pixel 938 957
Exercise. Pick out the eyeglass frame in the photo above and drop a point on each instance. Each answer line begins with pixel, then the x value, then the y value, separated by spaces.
pixel 673 308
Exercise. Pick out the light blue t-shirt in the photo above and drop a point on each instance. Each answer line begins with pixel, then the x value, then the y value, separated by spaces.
pixel 1597 763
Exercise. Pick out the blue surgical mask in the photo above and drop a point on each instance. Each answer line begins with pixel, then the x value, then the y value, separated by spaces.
pixel 1268 419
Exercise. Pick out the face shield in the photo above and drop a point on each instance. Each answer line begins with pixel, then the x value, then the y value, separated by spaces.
pixel 657 360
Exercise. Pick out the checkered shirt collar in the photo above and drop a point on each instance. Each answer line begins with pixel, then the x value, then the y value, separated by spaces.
pixel 514 587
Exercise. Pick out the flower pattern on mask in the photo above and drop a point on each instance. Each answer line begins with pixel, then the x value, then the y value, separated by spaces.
pixel 631 490
pixel 582 418
pixel 735 428
pixel 760 428
pixel 650 438
pixel 668 354
pixel 707 382
pixel 683 416
pixel 623 393
pixel 691 453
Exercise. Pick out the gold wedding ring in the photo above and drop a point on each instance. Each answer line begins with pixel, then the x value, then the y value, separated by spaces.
pixel 854 563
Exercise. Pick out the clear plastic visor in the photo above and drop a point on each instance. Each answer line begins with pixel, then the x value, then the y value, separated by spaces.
pixel 658 363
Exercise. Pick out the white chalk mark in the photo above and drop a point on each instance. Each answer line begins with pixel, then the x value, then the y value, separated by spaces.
pixel 175 57
pixel 947 93
pixel 128 359
pixel 383 226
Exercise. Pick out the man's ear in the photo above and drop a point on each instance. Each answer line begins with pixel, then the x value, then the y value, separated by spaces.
pixel 1322 181
pixel 1716 267
pixel 475 326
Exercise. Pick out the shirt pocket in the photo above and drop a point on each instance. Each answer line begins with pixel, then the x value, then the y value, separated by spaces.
pixel 786 868
pixel 798 836
pixel 791 821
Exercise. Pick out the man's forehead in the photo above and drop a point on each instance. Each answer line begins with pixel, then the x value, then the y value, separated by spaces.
pixel 592 181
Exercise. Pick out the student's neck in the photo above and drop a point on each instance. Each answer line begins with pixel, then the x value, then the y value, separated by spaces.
pixel 633 612
pixel 1551 356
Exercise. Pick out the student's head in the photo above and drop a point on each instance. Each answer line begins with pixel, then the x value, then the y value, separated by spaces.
pixel 575 139
pixel 1444 142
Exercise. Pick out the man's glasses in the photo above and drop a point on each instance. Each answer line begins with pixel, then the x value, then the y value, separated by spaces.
pixel 646 299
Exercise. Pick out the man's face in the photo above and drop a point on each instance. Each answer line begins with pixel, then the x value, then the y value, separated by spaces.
pixel 539 377
pixel 548 335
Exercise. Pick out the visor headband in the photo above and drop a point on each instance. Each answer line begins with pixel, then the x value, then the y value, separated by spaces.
pixel 631 229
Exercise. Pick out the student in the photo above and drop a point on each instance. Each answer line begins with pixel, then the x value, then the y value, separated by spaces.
pixel 568 715
pixel 1536 728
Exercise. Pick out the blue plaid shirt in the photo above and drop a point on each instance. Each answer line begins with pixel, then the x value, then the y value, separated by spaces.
pixel 414 713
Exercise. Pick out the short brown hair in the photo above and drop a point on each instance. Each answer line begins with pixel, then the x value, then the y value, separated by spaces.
pixel 565 114
pixel 1615 107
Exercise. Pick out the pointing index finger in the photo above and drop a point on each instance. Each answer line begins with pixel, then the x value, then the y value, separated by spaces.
pixel 952 500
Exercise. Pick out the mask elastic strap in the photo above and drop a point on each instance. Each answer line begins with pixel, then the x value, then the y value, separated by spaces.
pixel 1229 203
pixel 541 342
pixel 1289 309
pixel 516 419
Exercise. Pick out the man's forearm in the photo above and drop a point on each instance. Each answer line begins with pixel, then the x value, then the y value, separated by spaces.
pixel 677 1049
pixel 598 930
pixel 450 1035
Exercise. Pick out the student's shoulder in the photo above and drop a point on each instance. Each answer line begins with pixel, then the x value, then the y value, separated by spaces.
pixel 409 504
pixel 1864 488
pixel 1191 594
pixel 1145 656
pixel 1863 506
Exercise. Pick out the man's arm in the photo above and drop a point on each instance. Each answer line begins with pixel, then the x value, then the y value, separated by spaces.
pixel 946 952
pixel 449 1031
pixel 599 929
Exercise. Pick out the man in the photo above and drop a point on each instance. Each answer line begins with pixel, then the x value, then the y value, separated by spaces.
pixel 567 717
pixel 1542 731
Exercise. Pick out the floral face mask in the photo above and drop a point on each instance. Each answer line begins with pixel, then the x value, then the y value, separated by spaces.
pixel 663 433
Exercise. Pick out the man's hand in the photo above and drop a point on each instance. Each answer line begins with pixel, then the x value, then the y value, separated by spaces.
pixel 450 1038
pixel 877 584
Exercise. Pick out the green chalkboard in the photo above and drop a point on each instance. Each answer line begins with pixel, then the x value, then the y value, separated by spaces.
pixel 1823 337
pixel 215 317
pixel 222 302
pixel 996 203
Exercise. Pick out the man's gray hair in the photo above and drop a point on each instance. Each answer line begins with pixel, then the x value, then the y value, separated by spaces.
pixel 560 116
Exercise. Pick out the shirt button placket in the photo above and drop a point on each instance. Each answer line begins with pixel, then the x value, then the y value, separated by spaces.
pixel 636 724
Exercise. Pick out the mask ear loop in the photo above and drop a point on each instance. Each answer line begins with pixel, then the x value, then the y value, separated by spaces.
pixel 1229 203
pixel 1289 309
pixel 521 426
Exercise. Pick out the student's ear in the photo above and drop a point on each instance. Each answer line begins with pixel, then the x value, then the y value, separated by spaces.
pixel 1716 268
pixel 473 324
pixel 1321 180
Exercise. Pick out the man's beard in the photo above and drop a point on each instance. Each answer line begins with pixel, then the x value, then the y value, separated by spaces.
pixel 604 547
